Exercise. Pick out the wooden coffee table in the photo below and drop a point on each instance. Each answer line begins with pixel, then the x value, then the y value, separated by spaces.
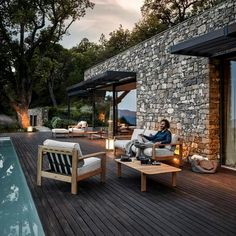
pixel 148 170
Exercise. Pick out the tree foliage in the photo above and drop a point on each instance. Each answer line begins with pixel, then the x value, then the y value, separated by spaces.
pixel 171 12
pixel 27 29
pixel 118 41
pixel 146 28
pixel 54 76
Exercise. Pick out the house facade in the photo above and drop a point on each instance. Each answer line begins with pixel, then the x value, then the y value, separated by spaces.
pixel 196 93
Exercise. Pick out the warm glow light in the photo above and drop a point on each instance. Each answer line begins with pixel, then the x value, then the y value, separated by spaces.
pixel 177 150
pixel 176 160
pixel 109 144
pixel 29 129
pixel 101 116
pixel 23 118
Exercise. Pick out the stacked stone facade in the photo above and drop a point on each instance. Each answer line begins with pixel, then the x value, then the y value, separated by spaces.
pixel 41 115
pixel 183 89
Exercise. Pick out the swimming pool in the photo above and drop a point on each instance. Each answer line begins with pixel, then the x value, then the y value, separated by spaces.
pixel 18 215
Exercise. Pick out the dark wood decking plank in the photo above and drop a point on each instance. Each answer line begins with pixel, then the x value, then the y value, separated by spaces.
pixel 206 224
pixel 117 216
pixel 113 187
pixel 49 220
pixel 97 203
pixel 133 217
pixel 154 209
pixel 201 204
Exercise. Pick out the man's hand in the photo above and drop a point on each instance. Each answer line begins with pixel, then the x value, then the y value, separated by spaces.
pixel 141 135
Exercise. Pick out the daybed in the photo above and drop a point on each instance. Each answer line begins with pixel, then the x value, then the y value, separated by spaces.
pixel 79 129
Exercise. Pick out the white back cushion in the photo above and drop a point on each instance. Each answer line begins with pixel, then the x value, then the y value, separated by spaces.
pixel 148 132
pixel 54 143
pixel 136 132
pixel 82 124
pixel 174 138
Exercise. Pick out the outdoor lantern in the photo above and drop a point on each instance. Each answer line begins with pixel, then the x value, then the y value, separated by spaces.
pixel 109 144
pixel 177 150
pixel 30 129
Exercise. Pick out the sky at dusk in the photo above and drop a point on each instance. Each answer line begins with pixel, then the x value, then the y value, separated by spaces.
pixel 105 17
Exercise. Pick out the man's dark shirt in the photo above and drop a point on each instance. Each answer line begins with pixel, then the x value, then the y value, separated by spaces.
pixel 164 137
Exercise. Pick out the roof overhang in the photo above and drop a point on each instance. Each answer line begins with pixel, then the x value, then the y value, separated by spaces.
pixel 215 43
pixel 102 82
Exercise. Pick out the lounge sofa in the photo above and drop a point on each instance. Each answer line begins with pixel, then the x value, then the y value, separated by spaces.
pixel 157 151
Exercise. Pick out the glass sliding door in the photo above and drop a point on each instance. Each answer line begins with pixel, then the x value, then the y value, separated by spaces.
pixel 230 109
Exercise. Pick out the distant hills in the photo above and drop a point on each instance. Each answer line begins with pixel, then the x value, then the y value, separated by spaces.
pixel 129 116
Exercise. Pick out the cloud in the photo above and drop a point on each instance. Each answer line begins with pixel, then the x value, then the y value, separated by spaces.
pixel 106 16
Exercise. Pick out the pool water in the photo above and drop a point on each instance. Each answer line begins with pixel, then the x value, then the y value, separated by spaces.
pixel 18 215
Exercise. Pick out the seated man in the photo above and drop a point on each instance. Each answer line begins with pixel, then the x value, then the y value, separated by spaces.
pixel 163 136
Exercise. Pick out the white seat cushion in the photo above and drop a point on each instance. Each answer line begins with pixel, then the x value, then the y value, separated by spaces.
pixel 76 130
pixel 90 164
pixel 120 143
pixel 60 131
pixel 159 152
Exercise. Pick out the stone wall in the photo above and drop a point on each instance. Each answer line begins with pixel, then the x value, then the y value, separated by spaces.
pixel 41 114
pixel 183 89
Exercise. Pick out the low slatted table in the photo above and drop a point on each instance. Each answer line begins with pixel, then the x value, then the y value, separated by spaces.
pixel 148 170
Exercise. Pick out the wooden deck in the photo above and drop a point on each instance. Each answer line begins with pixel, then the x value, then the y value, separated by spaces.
pixel 199 205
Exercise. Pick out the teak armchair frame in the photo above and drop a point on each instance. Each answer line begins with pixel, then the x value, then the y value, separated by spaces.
pixel 178 155
pixel 74 177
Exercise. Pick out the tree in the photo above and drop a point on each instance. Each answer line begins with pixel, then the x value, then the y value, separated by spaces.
pixel 53 76
pixel 119 41
pixel 147 27
pixel 87 53
pixel 27 29
pixel 171 12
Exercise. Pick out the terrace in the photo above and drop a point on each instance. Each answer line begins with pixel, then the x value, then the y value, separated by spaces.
pixel 199 205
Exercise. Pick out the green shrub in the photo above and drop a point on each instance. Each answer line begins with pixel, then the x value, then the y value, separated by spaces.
pixel 56 122
pixel 10 127
pixel 47 123
pixel 52 112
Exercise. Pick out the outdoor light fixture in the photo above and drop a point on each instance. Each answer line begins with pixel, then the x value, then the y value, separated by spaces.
pixel 109 144
pixel 30 129
pixel 176 160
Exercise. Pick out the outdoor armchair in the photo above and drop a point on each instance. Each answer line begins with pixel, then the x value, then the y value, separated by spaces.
pixel 160 152
pixel 67 163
